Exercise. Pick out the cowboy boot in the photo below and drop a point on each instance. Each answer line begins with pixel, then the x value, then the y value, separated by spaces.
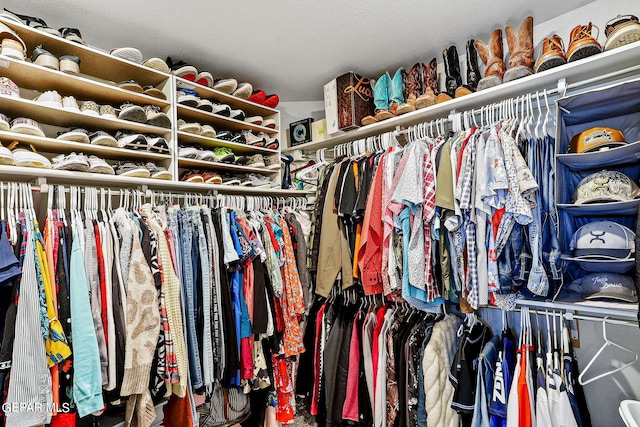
pixel 395 95
pixel 520 50
pixel 413 87
pixel 491 55
pixel 453 79
pixel 380 98
pixel 552 54
pixel 430 84
pixel 473 73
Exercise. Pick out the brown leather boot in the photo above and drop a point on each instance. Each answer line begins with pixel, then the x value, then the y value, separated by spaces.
pixel 491 54
pixel 552 54
pixel 520 50
pixel 413 88
pixel 430 84
pixel 582 43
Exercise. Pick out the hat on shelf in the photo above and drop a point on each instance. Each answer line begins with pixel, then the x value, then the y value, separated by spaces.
pixel 605 186
pixel 608 285
pixel 603 246
pixel 596 139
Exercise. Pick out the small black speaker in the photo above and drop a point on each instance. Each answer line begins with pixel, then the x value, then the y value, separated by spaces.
pixel 300 132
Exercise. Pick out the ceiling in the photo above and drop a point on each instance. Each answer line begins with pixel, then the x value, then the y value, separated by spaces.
pixel 289 47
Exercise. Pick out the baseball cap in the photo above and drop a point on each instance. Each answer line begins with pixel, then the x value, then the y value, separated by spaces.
pixel 608 285
pixel 595 139
pixel 605 186
pixel 603 246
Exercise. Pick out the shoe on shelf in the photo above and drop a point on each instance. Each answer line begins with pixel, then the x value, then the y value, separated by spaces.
pixel 188 97
pixel 221 109
pixel 157 64
pixel 204 78
pixel 208 131
pixel 256 140
pixel 243 91
pixel 189 127
pixel 13 48
pixel 157 172
pixel 26 126
pixel 74 134
pixel 239 138
pixel 191 176
pixel 70 64
pixel 258 96
pixel 132 113
pixel 153 91
pixel 27 156
pixel 50 98
pixel 269 123
pixel 187 152
pixel 271 101
pixel 258 180
pixel 132 169
pixel 98 165
pixel 72 34
pixel 224 155
pixel 31 21
pixel 103 138
pixel 273 144
pixel 230 179
pixel 90 108
pixel 582 44
pixel 44 58
pixel 237 115
pixel 205 105
pixel 240 160
pixel 256 161
pixel 157 144
pixel 255 120
pixel 182 69
pixel 492 55
pixel 520 43
pixel 552 54
pixel 225 85
pixel 108 111
pixel 4 123
pixel 6 156
pixel 224 135
pixel 131 140
pixel 131 85
pixel 155 117
pixel 211 177
pixel 206 156
pixel 70 103
pixel 127 53
pixel 621 30
pixel 272 162
pixel 71 162
pixel 9 88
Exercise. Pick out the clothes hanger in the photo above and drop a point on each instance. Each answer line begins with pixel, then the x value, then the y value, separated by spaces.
pixel 549 124
pixel 538 128
pixel 607 343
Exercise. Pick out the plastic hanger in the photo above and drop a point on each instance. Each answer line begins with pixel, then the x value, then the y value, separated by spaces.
pixel 549 124
pixel 607 343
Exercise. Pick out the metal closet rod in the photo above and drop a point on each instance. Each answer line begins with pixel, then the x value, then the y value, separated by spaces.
pixel 565 314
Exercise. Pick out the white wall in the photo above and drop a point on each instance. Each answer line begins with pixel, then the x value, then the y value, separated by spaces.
pixel 294 111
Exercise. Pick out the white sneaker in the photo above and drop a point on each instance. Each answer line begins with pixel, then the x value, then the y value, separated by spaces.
pixel 254 120
pixel 188 152
pixel 269 123
pixel 70 103
pixel 98 165
pixel 259 180
pixel 50 98
pixel 6 156
pixel 71 162
pixel 4 122
pixel 27 126
pixel 26 156
pixel 74 134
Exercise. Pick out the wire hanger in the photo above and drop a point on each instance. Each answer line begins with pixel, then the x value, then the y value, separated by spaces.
pixel 607 343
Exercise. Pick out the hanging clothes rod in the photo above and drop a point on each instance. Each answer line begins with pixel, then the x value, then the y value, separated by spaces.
pixel 568 315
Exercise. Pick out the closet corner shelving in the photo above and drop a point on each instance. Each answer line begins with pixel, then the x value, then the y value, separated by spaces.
pixel 99 74
pixel 616 62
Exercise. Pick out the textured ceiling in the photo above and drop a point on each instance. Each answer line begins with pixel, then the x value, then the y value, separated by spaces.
pixel 289 47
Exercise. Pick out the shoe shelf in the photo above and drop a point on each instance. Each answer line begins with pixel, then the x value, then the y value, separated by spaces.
pixel 191 138
pixel 191 114
pixel 250 108
pixel 43 114
pixel 623 60
pixel 52 145
pixel 226 167
pixel 93 62
pixel 33 76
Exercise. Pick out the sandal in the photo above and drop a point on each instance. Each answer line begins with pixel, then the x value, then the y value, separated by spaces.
pixel 72 34
pixel 27 156
pixel 33 22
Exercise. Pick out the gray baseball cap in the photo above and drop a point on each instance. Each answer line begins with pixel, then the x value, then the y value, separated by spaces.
pixel 608 285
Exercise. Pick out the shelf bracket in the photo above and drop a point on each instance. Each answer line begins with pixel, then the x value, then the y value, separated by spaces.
pixel 562 87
